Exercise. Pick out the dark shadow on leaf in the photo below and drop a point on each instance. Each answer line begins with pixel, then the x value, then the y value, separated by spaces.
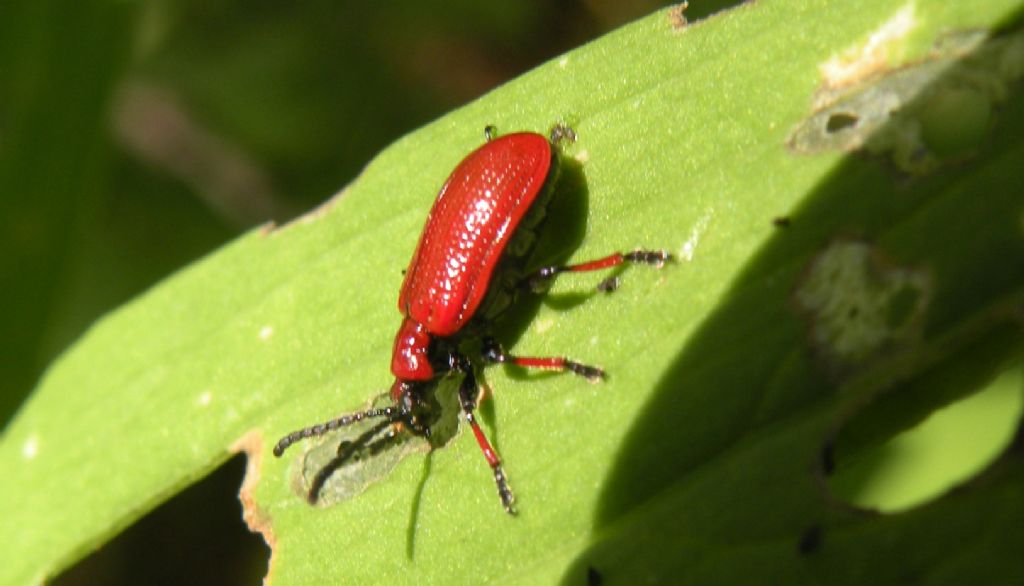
pixel 560 235
pixel 414 509
pixel 719 477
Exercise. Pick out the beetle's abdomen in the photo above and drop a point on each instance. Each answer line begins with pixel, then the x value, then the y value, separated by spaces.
pixel 475 215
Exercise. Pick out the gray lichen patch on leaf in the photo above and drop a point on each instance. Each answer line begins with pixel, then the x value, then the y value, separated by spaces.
pixel 858 306
pixel 921 115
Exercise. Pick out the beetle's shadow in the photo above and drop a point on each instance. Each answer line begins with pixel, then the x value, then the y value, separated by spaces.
pixel 560 235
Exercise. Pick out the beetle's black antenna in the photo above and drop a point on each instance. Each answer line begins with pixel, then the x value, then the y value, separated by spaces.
pixel 392 413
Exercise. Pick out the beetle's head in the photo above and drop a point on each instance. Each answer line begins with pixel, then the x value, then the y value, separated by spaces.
pixel 417 408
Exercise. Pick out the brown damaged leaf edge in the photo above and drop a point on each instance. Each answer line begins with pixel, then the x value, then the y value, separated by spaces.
pixel 677 16
pixel 256 519
pixel 872 56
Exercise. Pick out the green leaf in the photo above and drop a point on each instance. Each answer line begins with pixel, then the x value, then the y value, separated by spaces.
pixel 738 375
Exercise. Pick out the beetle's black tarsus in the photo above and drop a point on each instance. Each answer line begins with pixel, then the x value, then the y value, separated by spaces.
pixel 655 258
pixel 561 133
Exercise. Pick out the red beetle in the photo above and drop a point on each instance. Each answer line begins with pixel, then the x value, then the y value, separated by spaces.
pixel 470 263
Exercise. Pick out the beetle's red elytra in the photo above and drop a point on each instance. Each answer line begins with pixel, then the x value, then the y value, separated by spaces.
pixel 471 261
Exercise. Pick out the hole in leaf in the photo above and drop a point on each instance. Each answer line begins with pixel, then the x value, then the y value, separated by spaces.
pixel 952 445
pixel 840 120
pixel 198 537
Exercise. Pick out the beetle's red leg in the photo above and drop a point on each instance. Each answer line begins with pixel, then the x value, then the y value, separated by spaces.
pixel 322 428
pixel 467 397
pixel 493 352
pixel 540 279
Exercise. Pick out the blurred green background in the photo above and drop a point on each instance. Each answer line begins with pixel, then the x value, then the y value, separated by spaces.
pixel 138 136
